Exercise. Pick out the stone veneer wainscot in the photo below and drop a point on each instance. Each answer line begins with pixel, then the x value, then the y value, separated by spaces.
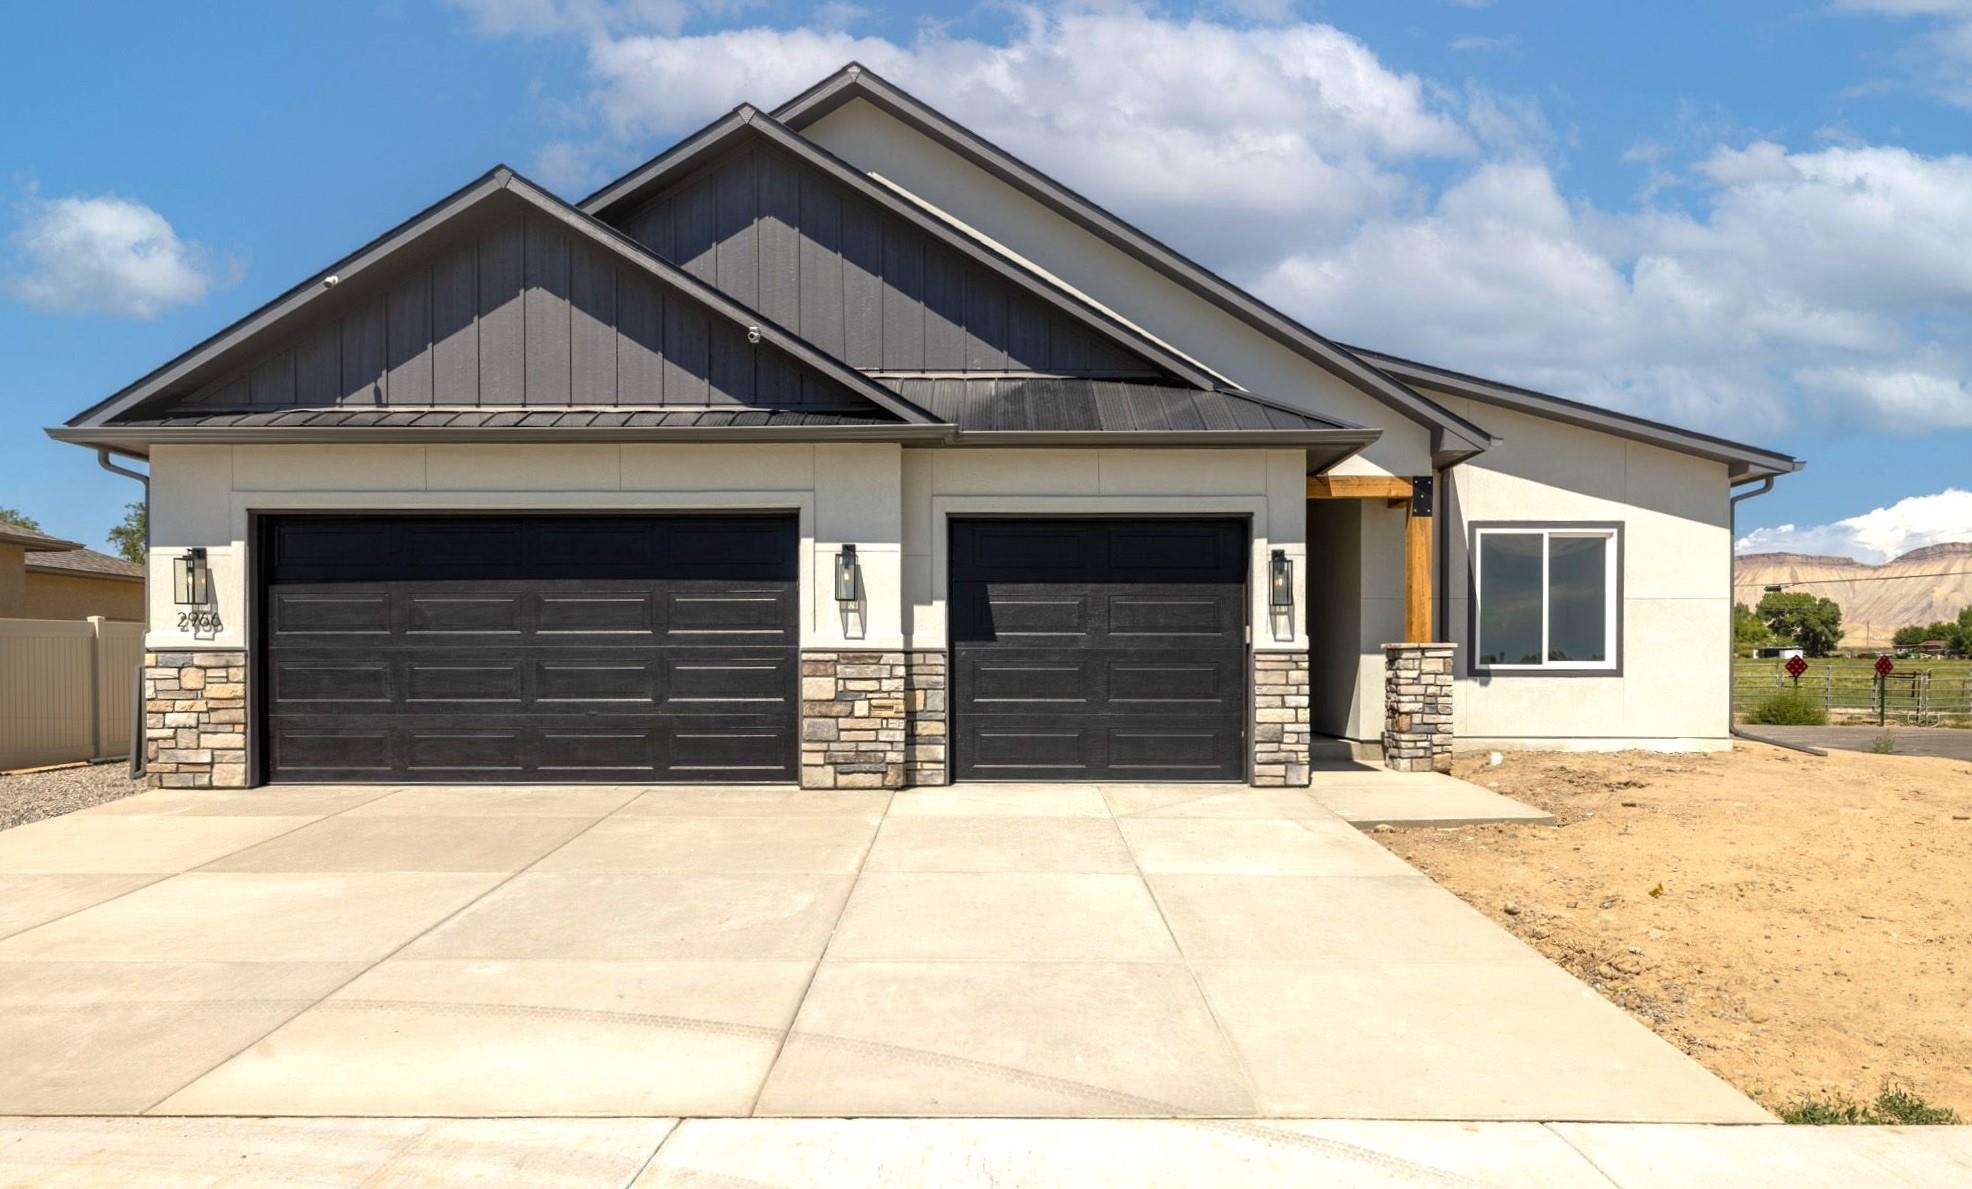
pixel 1281 731
pixel 195 719
pixel 872 720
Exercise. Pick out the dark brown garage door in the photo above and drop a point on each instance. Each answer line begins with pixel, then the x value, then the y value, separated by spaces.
pixel 555 649
pixel 1099 649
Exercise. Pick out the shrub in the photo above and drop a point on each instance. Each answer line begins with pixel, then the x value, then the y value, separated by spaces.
pixel 1895 1105
pixel 1883 745
pixel 1789 708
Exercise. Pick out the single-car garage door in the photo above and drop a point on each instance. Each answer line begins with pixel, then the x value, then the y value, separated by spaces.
pixel 551 648
pixel 1098 649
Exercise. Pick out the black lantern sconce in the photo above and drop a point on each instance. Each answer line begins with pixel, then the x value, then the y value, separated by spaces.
pixel 193 585
pixel 845 574
pixel 1280 583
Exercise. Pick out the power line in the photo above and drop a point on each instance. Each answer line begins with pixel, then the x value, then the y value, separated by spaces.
pixel 1867 578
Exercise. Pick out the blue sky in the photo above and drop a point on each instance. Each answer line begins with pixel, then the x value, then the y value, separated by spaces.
pixel 1748 218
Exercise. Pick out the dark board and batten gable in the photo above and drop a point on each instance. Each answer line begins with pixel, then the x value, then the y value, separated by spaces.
pixel 778 234
pixel 517 310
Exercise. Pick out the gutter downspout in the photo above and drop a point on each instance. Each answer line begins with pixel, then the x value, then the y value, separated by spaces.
pixel 137 749
pixel 1732 620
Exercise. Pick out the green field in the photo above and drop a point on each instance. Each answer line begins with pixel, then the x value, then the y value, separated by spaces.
pixel 1918 692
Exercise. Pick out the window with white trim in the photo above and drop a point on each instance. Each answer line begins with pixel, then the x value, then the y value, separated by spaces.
pixel 1546 598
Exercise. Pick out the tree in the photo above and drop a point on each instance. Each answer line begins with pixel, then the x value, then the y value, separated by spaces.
pixel 1749 631
pixel 1957 634
pixel 127 539
pixel 1815 624
pixel 9 516
pixel 1911 637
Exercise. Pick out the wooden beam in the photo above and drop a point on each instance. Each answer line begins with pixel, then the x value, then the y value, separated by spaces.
pixel 1417 579
pixel 1358 487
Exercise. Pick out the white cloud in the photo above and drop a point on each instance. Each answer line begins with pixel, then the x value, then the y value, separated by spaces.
pixel 1833 276
pixel 1407 214
pixel 1249 135
pixel 1941 57
pixel 1875 536
pixel 103 255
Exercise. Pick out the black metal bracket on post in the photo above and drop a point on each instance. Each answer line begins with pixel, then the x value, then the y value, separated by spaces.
pixel 1421 494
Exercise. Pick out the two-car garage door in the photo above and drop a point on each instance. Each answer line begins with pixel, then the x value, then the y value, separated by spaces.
pixel 551 648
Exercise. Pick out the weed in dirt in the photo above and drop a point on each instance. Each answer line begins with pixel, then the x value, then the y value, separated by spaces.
pixel 1895 1105
pixel 1790 708
pixel 1883 745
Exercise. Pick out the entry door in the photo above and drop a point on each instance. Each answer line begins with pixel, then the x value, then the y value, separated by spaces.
pixel 552 649
pixel 1098 649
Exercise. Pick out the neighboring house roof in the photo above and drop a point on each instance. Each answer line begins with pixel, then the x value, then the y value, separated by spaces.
pixel 1745 462
pixel 32 540
pixel 218 354
pixel 1453 436
pixel 653 176
pixel 87 563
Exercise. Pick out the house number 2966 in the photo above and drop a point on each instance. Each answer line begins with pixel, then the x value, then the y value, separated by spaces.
pixel 198 621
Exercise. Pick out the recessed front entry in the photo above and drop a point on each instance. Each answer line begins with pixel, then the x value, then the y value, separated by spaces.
pixel 1098 649
pixel 551 648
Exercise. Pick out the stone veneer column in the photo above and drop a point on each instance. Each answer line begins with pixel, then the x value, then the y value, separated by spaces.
pixel 926 759
pixel 1280 719
pixel 872 720
pixel 1417 707
pixel 195 719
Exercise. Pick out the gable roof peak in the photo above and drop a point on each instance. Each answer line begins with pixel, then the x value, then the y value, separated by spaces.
pixel 1454 437
pixel 223 349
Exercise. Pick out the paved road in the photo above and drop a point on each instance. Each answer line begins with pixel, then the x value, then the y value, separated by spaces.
pixel 649 1153
pixel 1951 743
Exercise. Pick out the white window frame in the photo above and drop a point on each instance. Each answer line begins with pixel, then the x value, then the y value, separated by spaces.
pixel 1612 663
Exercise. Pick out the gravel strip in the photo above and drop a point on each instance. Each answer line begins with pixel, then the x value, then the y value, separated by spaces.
pixel 31 796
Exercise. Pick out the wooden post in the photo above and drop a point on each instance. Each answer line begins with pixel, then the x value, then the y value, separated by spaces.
pixel 1417 564
pixel 1417 579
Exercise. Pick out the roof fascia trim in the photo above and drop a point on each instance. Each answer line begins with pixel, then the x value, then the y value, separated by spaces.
pixel 1189 439
pixel 1749 461
pixel 135 438
pixel 681 156
pixel 856 82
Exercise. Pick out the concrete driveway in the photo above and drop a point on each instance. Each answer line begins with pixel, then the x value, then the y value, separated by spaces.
pixel 975 951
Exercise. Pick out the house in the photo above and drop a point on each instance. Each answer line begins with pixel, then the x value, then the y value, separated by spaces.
pixel 835 445
pixel 44 577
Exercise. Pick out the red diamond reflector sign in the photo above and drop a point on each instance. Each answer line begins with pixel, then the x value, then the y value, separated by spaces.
pixel 1796 666
pixel 1883 666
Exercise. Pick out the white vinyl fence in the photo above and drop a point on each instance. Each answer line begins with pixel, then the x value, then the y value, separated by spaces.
pixel 67 689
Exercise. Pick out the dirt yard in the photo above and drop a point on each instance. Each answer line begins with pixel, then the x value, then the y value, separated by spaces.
pixel 1799 925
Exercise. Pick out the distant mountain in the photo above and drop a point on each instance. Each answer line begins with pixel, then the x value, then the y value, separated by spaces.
pixel 1875 600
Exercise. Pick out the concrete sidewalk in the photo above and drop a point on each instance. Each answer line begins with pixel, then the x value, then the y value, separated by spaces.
pixel 1085 1154
pixel 1370 795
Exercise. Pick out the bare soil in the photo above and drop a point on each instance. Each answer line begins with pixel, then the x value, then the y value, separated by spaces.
pixel 1799 925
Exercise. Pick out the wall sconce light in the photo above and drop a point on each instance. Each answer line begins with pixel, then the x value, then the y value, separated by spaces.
pixel 193 587
pixel 845 574
pixel 1280 582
